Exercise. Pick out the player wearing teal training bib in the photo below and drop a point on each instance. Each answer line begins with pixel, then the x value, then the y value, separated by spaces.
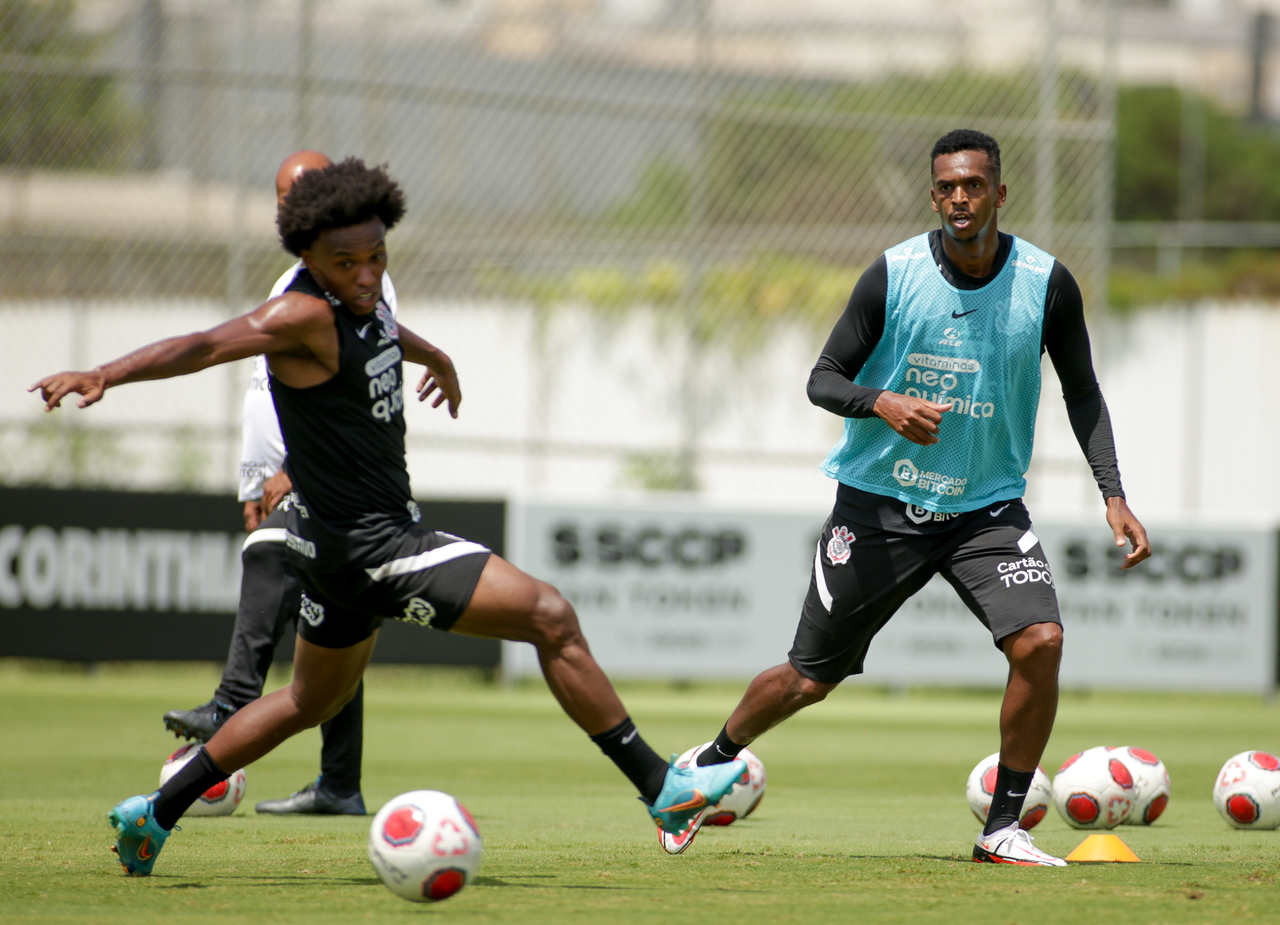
pixel 987 369
pixel 935 367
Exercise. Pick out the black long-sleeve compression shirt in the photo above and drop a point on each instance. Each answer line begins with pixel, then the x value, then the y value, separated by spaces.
pixel 1064 336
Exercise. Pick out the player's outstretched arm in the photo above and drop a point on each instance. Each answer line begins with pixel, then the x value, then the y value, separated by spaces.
pixel 287 323
pixel 1128 530
pixel 440 378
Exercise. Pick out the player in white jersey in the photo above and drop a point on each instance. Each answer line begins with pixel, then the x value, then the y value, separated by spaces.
pixel 269 592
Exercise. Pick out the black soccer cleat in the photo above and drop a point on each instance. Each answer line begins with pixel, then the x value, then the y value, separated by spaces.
pixel 199 723
pixel 315 800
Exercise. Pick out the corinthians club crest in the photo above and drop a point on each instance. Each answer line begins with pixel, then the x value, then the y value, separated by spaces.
pixel 838 550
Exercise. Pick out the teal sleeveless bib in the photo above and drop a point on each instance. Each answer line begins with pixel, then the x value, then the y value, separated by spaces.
pixel 979 349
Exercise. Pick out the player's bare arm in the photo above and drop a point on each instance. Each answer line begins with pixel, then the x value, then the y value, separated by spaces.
pixel 440 378
pixel 914 418
pixel 296 327
pixel 1128 531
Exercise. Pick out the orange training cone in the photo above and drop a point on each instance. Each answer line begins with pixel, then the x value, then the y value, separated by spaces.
pixel 1102 848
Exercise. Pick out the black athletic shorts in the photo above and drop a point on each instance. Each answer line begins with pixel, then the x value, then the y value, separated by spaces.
pixel 861 576
pixel 392 570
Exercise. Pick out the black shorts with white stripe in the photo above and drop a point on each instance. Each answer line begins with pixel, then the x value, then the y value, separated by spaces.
pixel 352 582
pixel 861 575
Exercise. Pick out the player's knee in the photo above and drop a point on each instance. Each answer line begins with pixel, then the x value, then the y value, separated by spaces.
pixel 804 691
pixel 1040 644
pixel 336 705
pixel 311 708
pixel 555 620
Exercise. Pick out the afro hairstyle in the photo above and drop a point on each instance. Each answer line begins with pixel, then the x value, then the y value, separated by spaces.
pixel 338 196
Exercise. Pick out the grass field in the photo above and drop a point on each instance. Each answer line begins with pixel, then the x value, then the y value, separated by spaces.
pixel 865 818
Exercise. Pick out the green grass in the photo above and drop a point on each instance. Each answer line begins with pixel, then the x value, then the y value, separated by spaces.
pixel 865 818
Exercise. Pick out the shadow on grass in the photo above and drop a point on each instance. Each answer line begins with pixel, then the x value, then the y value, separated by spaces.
pixel 274 880
pixel 513 882
pixel 535 881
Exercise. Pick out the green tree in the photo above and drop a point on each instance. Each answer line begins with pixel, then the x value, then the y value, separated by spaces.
pixel 52 113
pixel 1240 159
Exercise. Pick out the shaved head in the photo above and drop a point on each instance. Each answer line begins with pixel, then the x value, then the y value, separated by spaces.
pixel 294 166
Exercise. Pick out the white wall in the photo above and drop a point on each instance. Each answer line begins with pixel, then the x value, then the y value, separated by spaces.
pixel 1188 389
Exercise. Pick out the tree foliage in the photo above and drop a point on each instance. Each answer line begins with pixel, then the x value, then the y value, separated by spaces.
pixel 52 112
pixel 796 155
pixel 1240 159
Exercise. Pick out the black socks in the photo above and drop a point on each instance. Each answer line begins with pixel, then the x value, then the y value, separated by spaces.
pixel 722 749
pixel 1006 802
pixel 184 788
pixel 625 747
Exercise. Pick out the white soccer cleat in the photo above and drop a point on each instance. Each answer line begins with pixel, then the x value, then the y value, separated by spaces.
pixel 687 793
pixel 675 844
pixel 1012 845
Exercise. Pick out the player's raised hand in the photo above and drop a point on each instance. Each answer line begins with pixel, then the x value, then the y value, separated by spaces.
pixel 914 418
pixel 89 385
pixel 1129 531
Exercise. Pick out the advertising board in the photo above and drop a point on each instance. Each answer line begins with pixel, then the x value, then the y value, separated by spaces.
pixel 689 592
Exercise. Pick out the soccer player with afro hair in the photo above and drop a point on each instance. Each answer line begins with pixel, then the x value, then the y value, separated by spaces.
pixel 355 535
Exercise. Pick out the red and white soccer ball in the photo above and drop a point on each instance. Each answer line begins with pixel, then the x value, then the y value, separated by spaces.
pixel 743 798
pixel 1094 789
pixel 1247 790
pixel 1151 785
pixel 220 799
pixel 982 784
pixel 424 846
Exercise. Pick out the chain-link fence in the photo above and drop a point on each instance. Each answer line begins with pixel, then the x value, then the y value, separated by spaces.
pixel 638 218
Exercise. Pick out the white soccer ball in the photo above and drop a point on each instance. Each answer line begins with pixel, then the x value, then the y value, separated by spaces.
pixel 424 846
pixel 743 798
pixel 982 784
pixel 1094 789
pixel 1247 790
pixel 1151 785
pixel 220 799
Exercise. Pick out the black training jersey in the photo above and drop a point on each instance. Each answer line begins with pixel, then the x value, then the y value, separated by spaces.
pixel 345 436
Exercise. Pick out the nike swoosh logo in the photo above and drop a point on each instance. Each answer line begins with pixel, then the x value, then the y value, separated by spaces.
pixel 962 314
pixel 1014 796
pixel 361 330
pixel 996 512
pixel 692 803
pixel 143 853
pixel 678 842
pixel 626 739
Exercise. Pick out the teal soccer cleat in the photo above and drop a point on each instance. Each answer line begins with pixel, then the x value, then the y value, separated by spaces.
pixel 139 837
pixel 687 794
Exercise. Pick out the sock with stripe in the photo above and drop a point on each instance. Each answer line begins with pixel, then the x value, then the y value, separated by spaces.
pixel 626 748
pixel 722 749
pixel 1006 802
